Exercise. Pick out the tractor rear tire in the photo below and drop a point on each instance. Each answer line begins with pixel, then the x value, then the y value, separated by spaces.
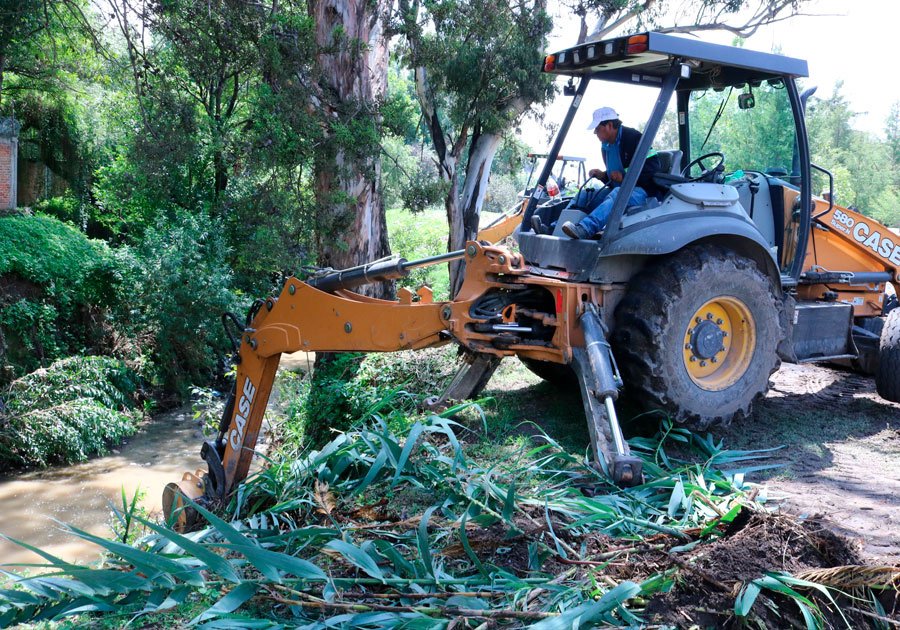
pixel 887 376
pixel 554 373
pixel 697 335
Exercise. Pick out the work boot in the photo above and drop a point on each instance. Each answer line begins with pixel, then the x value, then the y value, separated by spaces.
pixel 574 230
pixel 537 225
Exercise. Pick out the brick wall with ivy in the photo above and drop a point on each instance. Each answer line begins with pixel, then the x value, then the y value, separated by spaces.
pixel 9 144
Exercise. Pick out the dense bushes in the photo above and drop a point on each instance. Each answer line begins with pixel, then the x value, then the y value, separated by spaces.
pixel 155 305
pixel 54 283
pixel 179 289
pixel 67 412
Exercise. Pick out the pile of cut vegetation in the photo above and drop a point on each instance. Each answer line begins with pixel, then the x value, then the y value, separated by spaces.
pixel 386 528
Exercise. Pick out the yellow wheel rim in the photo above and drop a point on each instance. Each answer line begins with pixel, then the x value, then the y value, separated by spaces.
pixel 719 342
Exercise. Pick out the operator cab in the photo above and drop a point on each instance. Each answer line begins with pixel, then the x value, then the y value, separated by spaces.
pixel 737 174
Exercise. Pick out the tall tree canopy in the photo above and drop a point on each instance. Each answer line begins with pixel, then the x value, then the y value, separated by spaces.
pixel 477 70
pixel 740 17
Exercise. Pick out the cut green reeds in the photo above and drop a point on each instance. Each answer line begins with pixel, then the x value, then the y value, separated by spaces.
pixel 380 530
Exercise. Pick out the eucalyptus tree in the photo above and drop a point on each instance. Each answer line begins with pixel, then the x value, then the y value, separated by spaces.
pixel 477 70
pixel 352 62
pixel 600 18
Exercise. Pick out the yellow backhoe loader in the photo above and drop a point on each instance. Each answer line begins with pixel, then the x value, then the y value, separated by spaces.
pixel 692 299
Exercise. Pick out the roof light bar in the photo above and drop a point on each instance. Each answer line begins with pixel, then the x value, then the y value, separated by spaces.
pixel 594 53
pixel 637 44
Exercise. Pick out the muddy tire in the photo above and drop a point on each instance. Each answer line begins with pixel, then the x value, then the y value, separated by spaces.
pixel 554 373
pixel 887 376
pixel 696 336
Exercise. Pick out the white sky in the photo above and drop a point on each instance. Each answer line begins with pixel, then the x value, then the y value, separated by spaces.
pixel 847 40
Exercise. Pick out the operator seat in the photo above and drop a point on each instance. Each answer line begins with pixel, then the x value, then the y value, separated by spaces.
pixel 670 161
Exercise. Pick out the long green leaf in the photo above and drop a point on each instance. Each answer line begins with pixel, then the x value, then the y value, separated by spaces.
pixel 373 473
pixel 214 561
pixel 57 562
pixel 509 505
pixel 746 598
pixel 464 539
pixel 273 561
pixel 589 612
pixel 247 546
pixel 411 440
pixel 422 541
pixel 152 563
pixel 357 557
pixel 233 600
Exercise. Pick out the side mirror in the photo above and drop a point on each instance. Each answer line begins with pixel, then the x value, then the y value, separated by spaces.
pixel 746 101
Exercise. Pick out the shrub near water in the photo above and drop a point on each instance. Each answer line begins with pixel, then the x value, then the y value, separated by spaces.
pixel 54 283
pixel 65 413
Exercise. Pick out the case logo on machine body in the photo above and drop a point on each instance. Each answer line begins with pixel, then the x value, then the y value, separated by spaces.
pixel 863 233
pixel 236 437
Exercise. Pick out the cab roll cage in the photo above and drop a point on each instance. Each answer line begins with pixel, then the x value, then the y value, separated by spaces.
pixel 678 70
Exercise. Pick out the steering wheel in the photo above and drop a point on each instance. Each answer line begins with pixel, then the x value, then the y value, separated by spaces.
pixel 707 173
pixel 595 193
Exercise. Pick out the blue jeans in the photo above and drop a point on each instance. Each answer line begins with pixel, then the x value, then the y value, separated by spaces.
pixel 601 206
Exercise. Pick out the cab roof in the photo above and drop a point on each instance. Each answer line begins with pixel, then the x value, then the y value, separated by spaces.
pixel 645 59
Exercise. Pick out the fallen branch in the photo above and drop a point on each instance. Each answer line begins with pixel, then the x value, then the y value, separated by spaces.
pixel 887 620
pixel 424 610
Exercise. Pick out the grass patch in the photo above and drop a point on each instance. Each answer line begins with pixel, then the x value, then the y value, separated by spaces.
pixel 420 235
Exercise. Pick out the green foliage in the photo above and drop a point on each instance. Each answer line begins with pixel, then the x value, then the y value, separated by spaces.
pixel 65 413
pixel 180 287
pixel 422 191
pixel 420 235
pixel 335 398
pixel 66 208
pixel 865 171
pixel 42 45
pixel 503 192
pixel 400 110
pixel 756 139
pixel 482 56
pixel 57 286
pixel 866 174
pixel 124 524
pixel 348 387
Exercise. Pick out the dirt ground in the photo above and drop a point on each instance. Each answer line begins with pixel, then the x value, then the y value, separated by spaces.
pixel 841 453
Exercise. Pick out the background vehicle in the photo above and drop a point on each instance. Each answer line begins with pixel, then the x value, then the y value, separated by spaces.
pixel 697 295
pixel 567 176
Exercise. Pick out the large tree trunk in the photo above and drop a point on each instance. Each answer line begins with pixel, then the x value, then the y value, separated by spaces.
pixel 466 204
pixel 351 227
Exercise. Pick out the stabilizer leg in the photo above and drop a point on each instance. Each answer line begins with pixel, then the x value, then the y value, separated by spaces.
pixel 599 390
pixel 470 379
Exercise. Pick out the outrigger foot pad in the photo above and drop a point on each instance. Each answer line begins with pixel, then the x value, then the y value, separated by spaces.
pixel 627 471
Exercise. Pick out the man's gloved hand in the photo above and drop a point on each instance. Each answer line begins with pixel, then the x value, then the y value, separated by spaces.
pixel 598 174
pixel 617 176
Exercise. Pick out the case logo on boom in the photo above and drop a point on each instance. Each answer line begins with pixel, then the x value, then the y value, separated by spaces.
pixel 236 437
pixel 863 233
pixel 881 245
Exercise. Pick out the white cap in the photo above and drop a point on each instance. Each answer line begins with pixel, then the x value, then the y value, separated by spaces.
pixel 601 115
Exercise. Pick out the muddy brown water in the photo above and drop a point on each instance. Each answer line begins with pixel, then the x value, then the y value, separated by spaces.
pixel 81 494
